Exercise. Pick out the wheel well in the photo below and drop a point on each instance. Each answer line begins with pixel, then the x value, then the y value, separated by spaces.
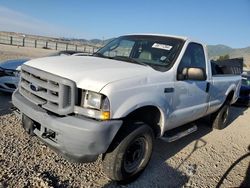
pixel 230 96
pixel 150 115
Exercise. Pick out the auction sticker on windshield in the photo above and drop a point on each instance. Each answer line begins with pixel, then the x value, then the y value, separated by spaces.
pixel 162 46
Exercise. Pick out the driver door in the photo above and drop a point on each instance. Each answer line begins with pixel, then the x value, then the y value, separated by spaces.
pixel 191 96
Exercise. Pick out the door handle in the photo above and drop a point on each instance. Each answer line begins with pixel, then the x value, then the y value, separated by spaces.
pixel 168 90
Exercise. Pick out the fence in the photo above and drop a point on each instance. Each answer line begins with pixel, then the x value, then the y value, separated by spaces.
pixel 33 42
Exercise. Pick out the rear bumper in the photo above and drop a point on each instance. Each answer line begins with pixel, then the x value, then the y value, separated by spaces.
pixel 77 138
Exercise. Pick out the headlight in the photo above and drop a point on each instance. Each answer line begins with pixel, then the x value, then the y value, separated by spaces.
pixel 94 105
pixel 92 100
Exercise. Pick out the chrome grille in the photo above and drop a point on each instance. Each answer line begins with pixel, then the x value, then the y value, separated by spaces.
pixel 51 92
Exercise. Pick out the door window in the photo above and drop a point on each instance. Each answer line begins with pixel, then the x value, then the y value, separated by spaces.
pixel 193 57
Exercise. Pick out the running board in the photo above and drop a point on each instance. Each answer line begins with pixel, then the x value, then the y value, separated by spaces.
pixel 176 134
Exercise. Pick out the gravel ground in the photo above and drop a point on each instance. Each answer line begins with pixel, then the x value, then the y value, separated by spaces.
pixel 205 158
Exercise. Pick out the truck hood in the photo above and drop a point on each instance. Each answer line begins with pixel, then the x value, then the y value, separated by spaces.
pixel 91 73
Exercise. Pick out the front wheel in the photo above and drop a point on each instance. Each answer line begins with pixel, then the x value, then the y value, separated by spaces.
pixel 131 152
pixel 220 118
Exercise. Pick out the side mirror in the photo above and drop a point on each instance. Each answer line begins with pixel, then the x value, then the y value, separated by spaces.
pixel 192 73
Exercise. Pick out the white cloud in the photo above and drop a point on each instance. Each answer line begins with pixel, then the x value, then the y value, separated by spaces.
pixel 11 20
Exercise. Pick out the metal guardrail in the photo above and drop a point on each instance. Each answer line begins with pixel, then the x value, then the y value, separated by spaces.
pixel 45 44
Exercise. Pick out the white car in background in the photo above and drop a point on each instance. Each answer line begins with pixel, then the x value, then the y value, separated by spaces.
pixel 9 74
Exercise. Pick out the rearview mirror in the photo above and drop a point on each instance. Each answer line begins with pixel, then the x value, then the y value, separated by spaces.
pixel 192 73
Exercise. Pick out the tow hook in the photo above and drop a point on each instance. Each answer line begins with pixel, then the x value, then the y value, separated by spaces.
pixel 49 134
pixel 13 108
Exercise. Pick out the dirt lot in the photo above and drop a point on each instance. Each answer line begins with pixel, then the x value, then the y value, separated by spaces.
pixel 205 158
pixel 15 52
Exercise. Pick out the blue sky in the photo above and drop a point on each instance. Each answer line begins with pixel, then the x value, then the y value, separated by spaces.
pixel 212 21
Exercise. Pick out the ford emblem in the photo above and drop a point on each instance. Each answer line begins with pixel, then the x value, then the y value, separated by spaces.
pixel 34 87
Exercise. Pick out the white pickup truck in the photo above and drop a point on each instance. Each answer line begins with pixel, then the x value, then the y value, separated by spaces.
pixel 117 101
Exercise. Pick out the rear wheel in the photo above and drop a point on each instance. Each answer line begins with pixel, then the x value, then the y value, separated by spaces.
pixel 131 152
pixel 220 118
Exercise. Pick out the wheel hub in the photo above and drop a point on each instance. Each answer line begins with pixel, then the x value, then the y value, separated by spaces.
pixel 134 154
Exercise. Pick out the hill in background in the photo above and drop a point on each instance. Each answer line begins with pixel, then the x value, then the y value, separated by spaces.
pixel 214 51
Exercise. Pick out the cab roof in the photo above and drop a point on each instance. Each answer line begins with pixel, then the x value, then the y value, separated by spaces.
pixel 161 35
pixel 185 38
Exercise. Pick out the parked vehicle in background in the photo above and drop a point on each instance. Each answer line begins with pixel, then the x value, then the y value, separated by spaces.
pixel 9 74
pixel 82 54
pixel 66 53
pixel 116 102
pixel 9 70
pixel 244 97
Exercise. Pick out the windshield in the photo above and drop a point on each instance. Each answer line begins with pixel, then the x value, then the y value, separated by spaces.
pixel 245 81
pixel 155 51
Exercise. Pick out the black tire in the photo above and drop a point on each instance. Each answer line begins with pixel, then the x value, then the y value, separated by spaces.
pixel 129 153
pixel 220 118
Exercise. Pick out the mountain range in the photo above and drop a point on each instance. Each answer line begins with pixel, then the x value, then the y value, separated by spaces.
pixel 214 51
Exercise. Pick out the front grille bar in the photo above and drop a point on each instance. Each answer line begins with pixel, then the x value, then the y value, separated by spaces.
pixel 52 92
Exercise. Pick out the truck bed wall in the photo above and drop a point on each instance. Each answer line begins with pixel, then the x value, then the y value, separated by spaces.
pixel 228 66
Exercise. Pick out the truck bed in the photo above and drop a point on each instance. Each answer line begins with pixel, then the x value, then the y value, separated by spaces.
pixel 229 66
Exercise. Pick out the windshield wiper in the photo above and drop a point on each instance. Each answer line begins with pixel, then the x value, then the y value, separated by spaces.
pixel 99 55
pixel 129 59
pixel 121 58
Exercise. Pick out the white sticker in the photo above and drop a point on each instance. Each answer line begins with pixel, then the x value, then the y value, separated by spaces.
pixel 162 46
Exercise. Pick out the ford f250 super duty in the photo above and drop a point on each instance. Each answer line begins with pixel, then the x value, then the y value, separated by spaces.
pixel 117 101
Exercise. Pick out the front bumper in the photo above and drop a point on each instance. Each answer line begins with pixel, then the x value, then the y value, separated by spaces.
pixel 77 138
